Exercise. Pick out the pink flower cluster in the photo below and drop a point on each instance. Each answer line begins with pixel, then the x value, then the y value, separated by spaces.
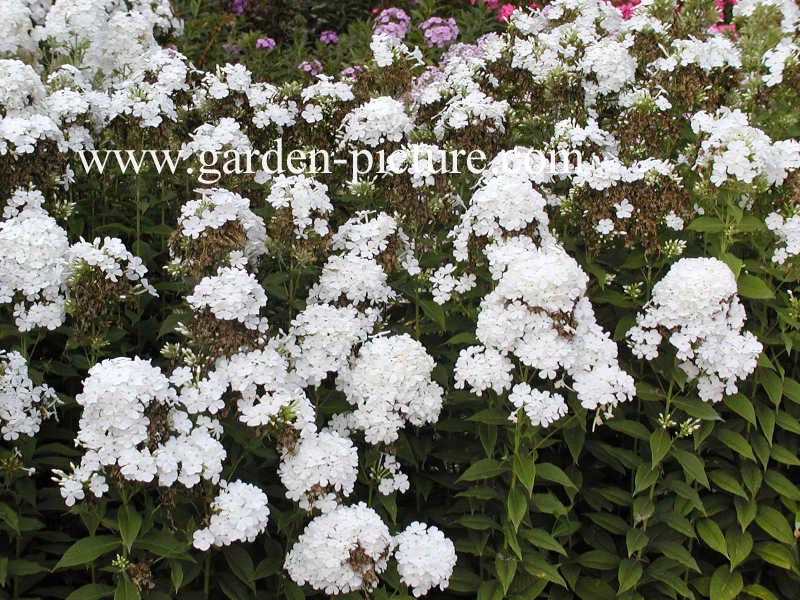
pixel 504 11
pixel 392 22
pixel 439 32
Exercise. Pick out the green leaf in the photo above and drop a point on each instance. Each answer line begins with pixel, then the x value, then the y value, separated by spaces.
pixel 628 575
pixel 775 524
pixel 539 567
pixel 524 470
pixel 550 472
pixel 91 591
pixel 712 535
pixel 162 543
pixel 479 522
pixel 740 545
pixel 784 456
pixel 126 590
pixel 517 506
pixel 739 404
pixel 9 516
pixel 600 560
pixel 86 550
pixel 241 564
pixel 541 539
pixel 781 484
pixel 129 522
pixel 751 286
pixel 736 442
pixel 506 568
pixel 706 224
pixel 772 384
pixel 725 481
pixel 635 540
pixel 433 311
pixel 20 568
pixel 660 443
pixel 725 585
pixel 775 554
pixel 692 465
pixel 759 591
pixel 486 468
pixel 646 476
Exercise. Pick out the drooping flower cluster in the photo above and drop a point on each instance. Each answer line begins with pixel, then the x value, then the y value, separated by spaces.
pixel 697 309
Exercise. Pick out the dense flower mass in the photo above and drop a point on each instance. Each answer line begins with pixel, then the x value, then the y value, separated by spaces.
pixel 695 306
pixel 342 550
pixel 425 558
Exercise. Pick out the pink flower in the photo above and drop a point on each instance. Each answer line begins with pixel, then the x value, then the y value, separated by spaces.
pixel 328 37
pixel 439 32
pixel 312 67
pixel 505 12
pixel 267 43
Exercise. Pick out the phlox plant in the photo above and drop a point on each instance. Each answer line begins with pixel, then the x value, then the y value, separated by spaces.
pixel 509 382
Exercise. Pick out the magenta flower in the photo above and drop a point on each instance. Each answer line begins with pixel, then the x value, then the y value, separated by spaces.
pixel 328 37
pixel 267 43
pixel 439 32
pixel 505 12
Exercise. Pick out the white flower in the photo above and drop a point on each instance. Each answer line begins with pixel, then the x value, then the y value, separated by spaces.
pixel 22 404
pixel 307 199
pixel 377 121
pixel 320 470
pixel 232 294
pixel 788 232
pixel 389 384
pixel 425 558
pixel 239 514
pixel 696 307
pixel 341 551
pixel 542 408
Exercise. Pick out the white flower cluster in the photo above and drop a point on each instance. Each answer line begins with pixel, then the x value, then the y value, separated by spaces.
pixel 225 135
pixel 788 232
pixel 215 208
pixel 232 294
pixel 33 262
pixel 307 199
pixel 444 284
pixel 268 393
pixel 425 558
pixel 112 258
pixel 341 550
pixel 537 311
pixel 392 479
pixel 735 149
pixel 696 307
pixel 239 514
pixel 389 384
pixel 23 405
pixel 475 108
pixel 377 121
pixel 132 421
pixel 320 470
pixel 541 407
